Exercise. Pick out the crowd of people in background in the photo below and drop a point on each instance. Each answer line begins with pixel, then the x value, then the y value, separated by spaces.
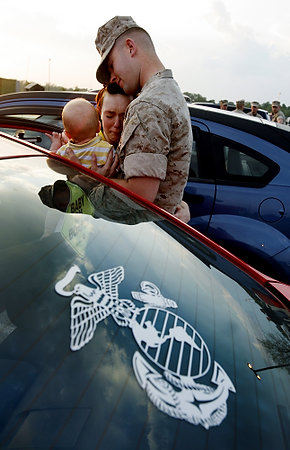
pixel 275 116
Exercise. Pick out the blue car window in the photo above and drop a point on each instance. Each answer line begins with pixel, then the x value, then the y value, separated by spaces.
pixel 239 163
pixel 193 170
pixel 252 167
pixel 199 167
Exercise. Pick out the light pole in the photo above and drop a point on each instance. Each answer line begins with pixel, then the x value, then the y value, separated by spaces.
pixel 49 61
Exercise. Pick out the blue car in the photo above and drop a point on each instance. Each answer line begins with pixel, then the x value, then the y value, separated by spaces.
pixel 123 328
pixel 239 182
pixel 239 186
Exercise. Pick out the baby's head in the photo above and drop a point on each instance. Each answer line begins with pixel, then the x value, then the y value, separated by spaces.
pixel 80 120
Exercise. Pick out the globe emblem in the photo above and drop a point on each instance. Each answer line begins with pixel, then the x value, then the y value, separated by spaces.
pixel 171 343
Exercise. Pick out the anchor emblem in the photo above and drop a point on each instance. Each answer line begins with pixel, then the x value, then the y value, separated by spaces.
pixel 168 341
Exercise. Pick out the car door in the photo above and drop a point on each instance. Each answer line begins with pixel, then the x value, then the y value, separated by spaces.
pixel 200 190
pixel 248 207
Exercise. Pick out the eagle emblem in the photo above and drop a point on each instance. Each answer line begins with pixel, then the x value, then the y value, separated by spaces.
pixel 177 353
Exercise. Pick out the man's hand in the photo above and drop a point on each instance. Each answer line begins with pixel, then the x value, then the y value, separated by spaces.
pixel 109 168
pixel 182 212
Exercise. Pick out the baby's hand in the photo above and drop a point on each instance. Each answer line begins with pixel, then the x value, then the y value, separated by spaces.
pixel 56 141
pixel 69 153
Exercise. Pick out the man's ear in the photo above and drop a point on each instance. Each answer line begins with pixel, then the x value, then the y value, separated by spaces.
pixel 131 46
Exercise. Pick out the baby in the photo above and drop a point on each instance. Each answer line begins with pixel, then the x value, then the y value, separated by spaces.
pixel 81 125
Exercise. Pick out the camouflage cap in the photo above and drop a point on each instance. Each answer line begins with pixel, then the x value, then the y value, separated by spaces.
pixel 240 102
pixel 275 103
pixel 105 41
pixel 224 102
pixel 256 104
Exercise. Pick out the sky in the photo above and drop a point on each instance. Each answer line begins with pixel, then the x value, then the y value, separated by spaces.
pixel 220 49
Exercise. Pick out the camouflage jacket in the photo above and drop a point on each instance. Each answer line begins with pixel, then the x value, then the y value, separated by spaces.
pixel 274 117
pixel 157 138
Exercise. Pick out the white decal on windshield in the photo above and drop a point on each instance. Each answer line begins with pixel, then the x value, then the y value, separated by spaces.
pixel 167 340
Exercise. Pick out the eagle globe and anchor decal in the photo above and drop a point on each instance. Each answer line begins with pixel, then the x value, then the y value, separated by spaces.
pixel 175 390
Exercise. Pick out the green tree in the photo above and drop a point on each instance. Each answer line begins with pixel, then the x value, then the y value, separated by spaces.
pixel 266 106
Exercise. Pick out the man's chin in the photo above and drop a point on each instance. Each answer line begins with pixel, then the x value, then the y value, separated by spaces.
pixel 127 89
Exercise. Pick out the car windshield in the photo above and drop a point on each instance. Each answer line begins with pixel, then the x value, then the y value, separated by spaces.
pixel 120 330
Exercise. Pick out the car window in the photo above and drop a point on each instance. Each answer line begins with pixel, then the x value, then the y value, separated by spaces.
pixel 199 167
pixel 35 137
pixel 48 119
pixel 241 164
pixel 238 164
pixel 193 170
pixel 23 116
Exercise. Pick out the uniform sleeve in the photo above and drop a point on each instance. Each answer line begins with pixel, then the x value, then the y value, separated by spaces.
pixel 145 141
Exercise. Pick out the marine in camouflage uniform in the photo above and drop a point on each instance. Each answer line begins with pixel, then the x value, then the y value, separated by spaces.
pixel 156 141
pixel 277 113
pixel 239 107
pixel 254 110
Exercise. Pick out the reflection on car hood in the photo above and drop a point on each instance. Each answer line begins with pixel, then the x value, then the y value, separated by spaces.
pixel 129 333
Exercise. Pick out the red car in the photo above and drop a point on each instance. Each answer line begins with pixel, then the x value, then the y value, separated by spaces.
pixel 122 327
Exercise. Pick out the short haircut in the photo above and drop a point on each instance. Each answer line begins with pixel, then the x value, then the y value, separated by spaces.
pixel 141 36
